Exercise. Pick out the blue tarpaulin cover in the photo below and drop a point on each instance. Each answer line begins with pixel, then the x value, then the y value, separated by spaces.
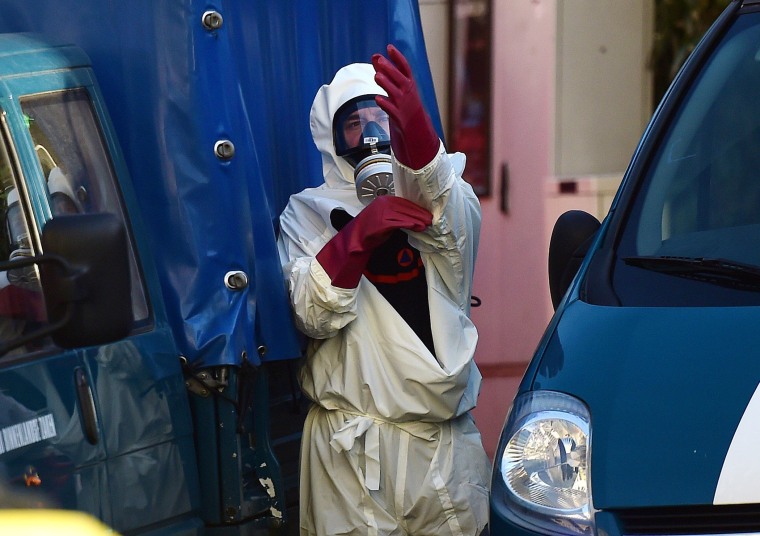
pixel 174 89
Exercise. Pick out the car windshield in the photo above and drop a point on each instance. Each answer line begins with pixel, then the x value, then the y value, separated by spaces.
pixel 694 226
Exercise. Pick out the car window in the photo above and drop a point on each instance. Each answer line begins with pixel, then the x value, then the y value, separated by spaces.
pixel 699 200
pixel 76 165
pixel 703 192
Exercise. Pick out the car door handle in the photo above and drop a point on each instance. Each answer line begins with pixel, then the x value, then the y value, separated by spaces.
pixel 86 406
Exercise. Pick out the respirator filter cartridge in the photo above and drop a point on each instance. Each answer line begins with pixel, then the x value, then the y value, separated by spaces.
pixel 373 177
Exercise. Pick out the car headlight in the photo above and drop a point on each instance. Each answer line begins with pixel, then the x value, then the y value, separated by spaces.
pixel 543 463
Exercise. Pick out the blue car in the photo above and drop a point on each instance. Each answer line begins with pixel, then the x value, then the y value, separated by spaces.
pixel 640 411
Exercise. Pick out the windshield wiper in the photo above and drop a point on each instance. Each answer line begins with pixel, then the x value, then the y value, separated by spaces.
pixel 711 270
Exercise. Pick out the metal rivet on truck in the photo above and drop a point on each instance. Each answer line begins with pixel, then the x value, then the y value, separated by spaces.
pixel 212 20
pixel 224 149
pixel 236 280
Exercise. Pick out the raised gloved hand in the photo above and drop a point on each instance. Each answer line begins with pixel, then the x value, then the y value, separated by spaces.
pixel 346 255
pixel 413 139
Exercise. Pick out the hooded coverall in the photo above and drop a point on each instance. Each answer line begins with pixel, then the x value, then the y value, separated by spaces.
pixel 388 446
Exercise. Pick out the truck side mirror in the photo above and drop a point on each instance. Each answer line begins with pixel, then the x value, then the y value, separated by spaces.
pixel 92 299
pixel 569 243
pixel 85 279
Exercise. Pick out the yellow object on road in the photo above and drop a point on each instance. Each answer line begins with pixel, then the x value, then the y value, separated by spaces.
pixel 40 522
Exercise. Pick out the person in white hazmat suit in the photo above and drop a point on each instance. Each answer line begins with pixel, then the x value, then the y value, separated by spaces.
pixel 383 293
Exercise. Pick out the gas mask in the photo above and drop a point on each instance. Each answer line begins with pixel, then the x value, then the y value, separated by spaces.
pixel 360 135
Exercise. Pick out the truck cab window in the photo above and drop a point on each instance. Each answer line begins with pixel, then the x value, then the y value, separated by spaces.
pixel 76 165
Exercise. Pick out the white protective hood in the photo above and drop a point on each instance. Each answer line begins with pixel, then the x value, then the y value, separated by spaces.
pixel 351 81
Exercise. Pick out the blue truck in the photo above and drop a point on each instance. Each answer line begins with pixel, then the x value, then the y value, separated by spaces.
pixel 148 362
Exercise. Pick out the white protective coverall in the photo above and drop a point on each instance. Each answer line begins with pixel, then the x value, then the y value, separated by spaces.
pixel 389 446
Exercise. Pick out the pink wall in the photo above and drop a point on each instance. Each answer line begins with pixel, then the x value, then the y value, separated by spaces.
pixel 510 274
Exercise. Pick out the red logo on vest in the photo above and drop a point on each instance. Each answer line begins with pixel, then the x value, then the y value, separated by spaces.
pixel 405 257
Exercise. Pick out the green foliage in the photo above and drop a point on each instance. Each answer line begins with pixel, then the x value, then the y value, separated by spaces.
pixel 679 25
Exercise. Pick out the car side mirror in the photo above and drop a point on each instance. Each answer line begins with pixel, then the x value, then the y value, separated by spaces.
pixel 85 279
pixel 570 240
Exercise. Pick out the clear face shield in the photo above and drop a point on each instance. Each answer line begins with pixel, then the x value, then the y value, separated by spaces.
pixel 361 136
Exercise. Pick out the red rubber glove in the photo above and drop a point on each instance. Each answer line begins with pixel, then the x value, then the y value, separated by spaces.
pixel 346 255
pixel 413 139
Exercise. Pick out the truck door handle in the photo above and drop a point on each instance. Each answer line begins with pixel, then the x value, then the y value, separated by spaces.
pixel 86 406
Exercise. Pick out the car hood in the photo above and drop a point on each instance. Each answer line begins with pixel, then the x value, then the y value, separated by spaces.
pixel 667 389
